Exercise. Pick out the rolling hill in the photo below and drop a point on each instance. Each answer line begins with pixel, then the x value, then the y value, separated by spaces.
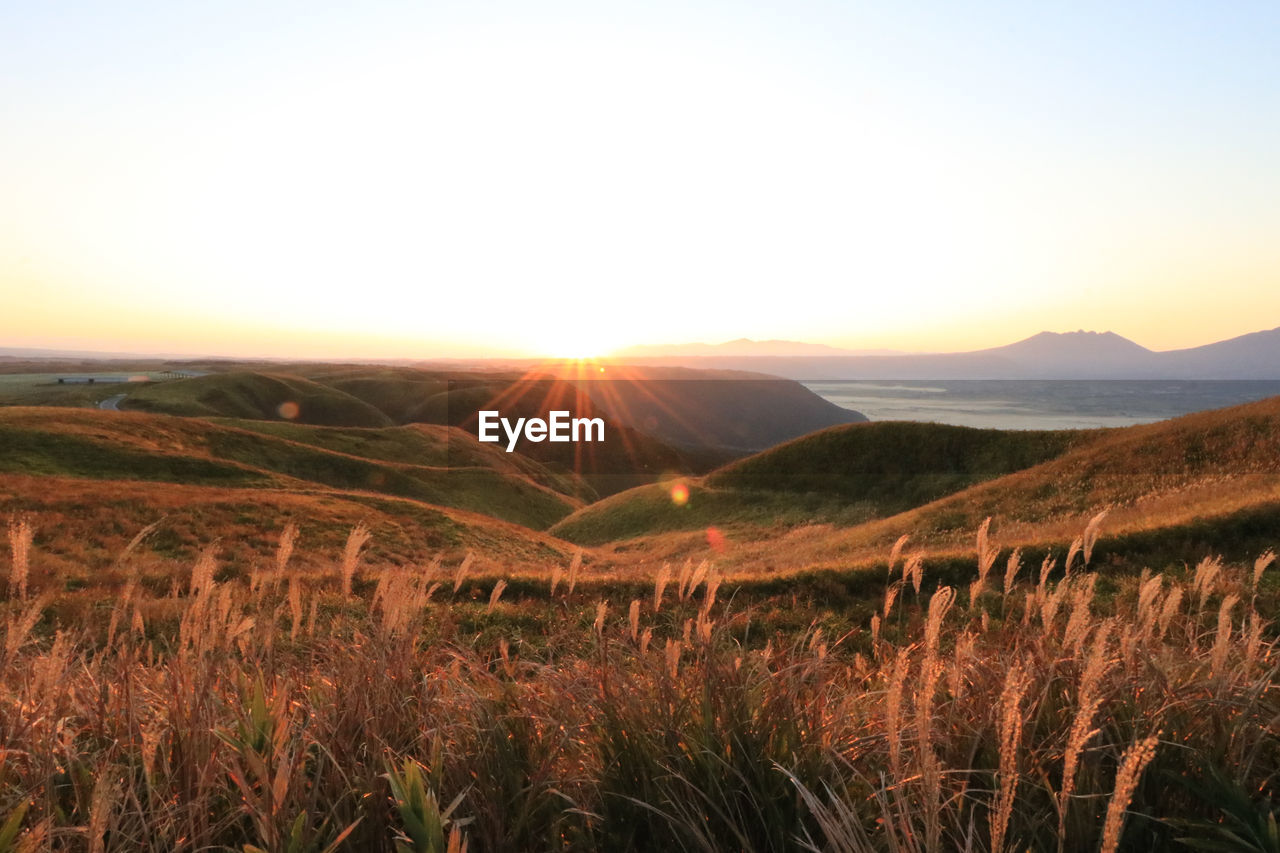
pixel 82 527
pixel 846 474
pixel 1203 483
pixel 660 420
pixel 838 496
pixel 627 457
pixel 429 445
pixel 434 465
pixel 398 392
pixel 737 411
pixel 248 394
pixel 684 409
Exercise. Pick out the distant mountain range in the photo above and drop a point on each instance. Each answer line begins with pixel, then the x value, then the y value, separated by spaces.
pixel 1048 355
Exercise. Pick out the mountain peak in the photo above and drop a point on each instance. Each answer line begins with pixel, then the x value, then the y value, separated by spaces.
pixel 1078 334
pixel 1069 343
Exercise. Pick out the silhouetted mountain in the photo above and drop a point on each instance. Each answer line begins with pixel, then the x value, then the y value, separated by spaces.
pixel 1252 356
pixel 1084 355
pixel 1048 355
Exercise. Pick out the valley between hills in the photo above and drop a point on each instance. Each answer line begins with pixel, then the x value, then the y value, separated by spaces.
pixel 210 461
pixel 302 607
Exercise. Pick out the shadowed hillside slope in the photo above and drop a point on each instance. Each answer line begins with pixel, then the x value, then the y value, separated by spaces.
pixel 1200 484
pixel 739 411
pixel 894 463
pixel 661 421
pixel 433 465
pixel 397 392
pixel 246 394
pixel 844 475
pixel 627 457
pixel 428 445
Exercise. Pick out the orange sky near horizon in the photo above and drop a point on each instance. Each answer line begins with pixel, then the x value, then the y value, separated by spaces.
pixel 397 181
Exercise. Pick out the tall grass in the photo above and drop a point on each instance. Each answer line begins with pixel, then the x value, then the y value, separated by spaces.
pixel 356 541
pixel 20 536
pixel 322 713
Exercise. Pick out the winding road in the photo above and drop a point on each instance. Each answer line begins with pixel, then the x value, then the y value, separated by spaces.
pixel 112 403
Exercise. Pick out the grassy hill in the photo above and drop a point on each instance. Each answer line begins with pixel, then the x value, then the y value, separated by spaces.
pixel 437 466
pixel 248 394
pixel 740 412
pixel 1176 490
pixel 628 457
pixel 894 464
pixel 353 396
pixel 1202 465
pixel 843 475
pixel 423 444
pixel 397 392
pixel 837 497
pixel 82 527
pixel 662 421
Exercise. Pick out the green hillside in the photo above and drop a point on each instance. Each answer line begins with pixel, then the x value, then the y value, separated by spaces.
pixel 1175 490
pixel 894 464
pixel 55 453
pixel 397 392
pixel 650 509
pixel 265 396
pixel 422 444
pixel 843 475
pixel 140 447
pixel 662 421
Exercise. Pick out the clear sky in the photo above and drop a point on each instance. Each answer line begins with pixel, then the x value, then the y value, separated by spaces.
pixel 433 178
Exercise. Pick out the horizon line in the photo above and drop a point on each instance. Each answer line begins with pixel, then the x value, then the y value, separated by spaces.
pixel 54 352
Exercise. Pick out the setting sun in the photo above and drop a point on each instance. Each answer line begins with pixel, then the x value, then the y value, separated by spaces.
pixel 435 181
pixel 675 425
pixel 579 339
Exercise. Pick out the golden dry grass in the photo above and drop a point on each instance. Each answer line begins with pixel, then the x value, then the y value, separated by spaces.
pixel 371 708
pixel 191 667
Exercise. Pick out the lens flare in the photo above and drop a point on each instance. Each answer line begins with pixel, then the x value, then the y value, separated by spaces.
pixel 679 494
pixel 715 539
pixel 288 410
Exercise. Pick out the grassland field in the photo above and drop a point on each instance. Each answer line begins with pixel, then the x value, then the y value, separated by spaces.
pixel 250 633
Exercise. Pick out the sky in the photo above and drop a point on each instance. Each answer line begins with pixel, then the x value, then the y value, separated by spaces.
pixel 457 179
